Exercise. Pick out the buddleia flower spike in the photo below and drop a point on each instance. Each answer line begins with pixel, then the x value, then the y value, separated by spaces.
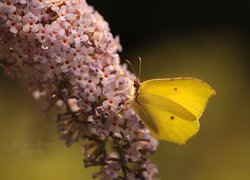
pixel 65 55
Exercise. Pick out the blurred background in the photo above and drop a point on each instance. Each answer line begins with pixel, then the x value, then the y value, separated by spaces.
pixel 207 40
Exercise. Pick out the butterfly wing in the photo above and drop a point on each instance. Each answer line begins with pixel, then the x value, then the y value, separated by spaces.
pixel 171 107
pixel 192 94
pixel 165 104
pixel 174 125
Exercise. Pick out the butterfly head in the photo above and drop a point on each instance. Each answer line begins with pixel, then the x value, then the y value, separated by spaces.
pixel 137 78
pixel 136 84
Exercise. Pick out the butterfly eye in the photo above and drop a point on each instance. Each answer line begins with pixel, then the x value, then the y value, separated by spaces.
pixel 136 84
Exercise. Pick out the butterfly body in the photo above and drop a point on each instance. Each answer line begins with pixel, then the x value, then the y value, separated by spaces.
pixel 171 107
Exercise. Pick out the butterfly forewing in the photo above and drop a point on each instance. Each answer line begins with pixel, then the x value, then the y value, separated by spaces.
pixel 192 94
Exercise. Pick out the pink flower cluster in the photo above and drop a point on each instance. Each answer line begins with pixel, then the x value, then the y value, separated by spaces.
pixel 65 54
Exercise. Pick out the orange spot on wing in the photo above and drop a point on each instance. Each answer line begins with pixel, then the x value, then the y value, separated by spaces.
pixel 172 117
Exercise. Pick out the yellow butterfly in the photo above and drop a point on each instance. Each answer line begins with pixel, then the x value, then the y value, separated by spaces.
pixel 171 108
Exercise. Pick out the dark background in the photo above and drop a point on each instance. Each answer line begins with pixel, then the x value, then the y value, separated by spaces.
pixel 141 21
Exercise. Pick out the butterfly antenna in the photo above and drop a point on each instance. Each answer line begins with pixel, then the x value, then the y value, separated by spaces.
pixel 131 67
pixel 140 62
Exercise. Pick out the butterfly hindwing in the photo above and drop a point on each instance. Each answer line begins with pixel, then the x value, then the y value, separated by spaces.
pixel 163 124
pixel 165 104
